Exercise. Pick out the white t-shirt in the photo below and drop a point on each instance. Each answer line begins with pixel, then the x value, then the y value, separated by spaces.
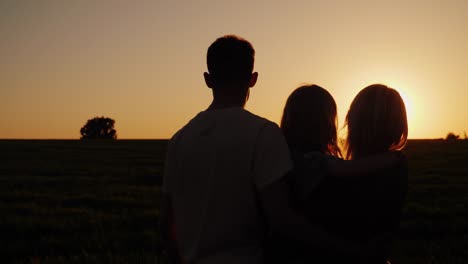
pixel 215 167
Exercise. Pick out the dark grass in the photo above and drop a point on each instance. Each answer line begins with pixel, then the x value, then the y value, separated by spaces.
pixel 434 226
pixel 69 201
pixel 80 201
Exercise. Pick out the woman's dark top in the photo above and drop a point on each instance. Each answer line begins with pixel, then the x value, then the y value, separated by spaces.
pixel 356 208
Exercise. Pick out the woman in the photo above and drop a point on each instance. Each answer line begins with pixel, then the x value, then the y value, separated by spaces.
pixel 309 125
pixel 377 123
pixel 356 208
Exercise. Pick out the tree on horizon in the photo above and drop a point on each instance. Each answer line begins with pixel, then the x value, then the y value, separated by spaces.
pixel 451 136
pixel 99 128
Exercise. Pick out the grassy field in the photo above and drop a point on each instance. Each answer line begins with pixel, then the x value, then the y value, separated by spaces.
pixel 97 202
pixel 435 219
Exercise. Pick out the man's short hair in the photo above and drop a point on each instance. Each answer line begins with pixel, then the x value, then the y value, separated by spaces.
pixel 230 61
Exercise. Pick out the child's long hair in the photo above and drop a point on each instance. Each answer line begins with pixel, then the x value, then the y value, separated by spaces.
pixel 376 122
pixel 309 120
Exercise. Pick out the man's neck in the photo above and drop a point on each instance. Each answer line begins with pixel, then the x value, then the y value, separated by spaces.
pixel 215 105
pixel 221 101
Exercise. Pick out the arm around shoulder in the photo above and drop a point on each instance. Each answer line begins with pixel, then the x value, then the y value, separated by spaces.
pixel 283 220
pixel 363 166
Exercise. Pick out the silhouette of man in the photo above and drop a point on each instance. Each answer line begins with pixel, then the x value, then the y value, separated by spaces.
pixel 224 173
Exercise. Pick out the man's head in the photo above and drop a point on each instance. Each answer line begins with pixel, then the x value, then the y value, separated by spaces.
pixel 230 61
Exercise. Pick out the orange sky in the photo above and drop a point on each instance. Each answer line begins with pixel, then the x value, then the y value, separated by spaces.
pixel 141 62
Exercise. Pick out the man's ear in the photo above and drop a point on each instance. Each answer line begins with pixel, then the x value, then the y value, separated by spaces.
pixel 208 80
pixel 253 79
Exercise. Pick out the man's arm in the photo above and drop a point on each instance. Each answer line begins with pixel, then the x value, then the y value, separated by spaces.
pixel 167 230
pixel 166 215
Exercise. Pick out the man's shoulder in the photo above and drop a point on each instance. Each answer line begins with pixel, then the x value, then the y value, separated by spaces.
pixel 187 126
pixel 259 125
pixel 205 120
pixel 256 118
pixel 234 115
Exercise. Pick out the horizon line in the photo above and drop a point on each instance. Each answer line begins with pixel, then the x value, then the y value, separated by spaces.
pixel 4 139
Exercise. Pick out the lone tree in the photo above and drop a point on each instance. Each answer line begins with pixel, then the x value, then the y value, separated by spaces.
pixel 466 136
pixel 99 128
pixel 451 136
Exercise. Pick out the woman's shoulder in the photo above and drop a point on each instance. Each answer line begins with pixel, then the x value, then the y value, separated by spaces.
pixel 310 175
pixel 308 172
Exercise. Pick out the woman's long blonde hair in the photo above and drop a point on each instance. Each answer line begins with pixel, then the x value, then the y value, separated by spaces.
pixel 376 122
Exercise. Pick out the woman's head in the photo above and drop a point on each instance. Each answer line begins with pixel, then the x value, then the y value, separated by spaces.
pixel 309 120
pixel 376 122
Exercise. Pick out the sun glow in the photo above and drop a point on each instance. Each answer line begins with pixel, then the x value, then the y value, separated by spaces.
pixel 409 109
pixel 407 88
pixel 410 106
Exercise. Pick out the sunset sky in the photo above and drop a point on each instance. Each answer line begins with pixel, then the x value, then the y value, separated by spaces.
pixel 142 62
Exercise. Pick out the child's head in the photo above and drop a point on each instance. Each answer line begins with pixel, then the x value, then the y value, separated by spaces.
pixel 376 122
pixel 230 61
pixel 309 120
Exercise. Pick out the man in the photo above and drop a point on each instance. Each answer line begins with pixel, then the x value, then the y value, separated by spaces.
pixel 223 181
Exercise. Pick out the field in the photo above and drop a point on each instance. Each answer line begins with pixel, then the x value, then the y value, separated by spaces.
pixel 97 202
